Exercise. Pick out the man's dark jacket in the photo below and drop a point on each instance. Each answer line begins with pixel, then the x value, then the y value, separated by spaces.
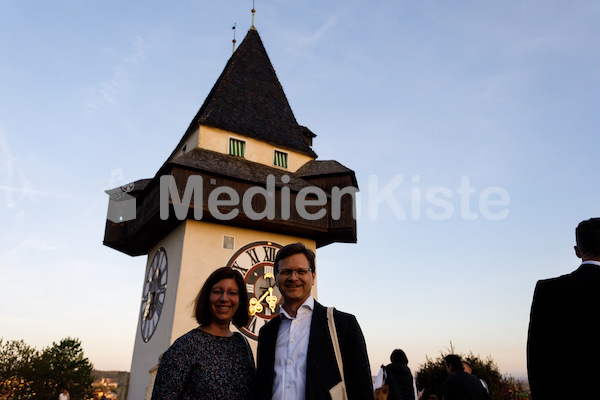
pixel 464 386
pixel 563 347
pixel 321 368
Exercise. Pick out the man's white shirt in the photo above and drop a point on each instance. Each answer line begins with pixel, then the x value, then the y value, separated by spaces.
pixel 591 262
pixel 291 350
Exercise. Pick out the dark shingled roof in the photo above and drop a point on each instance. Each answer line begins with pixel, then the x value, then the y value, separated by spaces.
pixel 320 168
pixel 248 99
pixel 238 168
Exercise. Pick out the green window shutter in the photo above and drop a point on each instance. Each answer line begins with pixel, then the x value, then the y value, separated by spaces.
pixel 280 159
pixel 237 147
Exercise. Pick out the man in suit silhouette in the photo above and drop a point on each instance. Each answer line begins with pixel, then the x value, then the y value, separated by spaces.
pixel 295 354
pixel 563 347
pixel 461 385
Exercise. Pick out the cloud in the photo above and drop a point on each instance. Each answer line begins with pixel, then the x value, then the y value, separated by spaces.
pixel 15 186
pixel 23 247
pixel 318 35
pixel 107 92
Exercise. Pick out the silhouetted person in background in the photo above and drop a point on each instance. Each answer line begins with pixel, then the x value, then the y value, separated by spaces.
pixel 563 347
pixel 399 378
pixel 462 385
pixel 469 369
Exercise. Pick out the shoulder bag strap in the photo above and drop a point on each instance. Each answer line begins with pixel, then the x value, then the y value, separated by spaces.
pixel 334 339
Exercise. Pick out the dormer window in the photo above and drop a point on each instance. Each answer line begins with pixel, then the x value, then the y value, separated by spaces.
pixel 237 147
pixel 280 159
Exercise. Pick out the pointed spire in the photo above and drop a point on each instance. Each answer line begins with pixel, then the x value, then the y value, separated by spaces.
pixel 248 99
pixel 234 25
pixel 253 11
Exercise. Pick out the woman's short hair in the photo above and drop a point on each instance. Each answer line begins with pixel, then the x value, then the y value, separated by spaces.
pixel 202 311
pixel 399 356
pixel 292 249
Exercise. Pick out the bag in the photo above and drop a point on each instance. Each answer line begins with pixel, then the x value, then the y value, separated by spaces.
pixel 382 391
pixel 379 379
pixel 338 392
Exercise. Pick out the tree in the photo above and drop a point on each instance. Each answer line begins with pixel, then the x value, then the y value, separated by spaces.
pixel 514 389
pixel 29 373
pixel 432 376
pixel 16 359
pixel 63 366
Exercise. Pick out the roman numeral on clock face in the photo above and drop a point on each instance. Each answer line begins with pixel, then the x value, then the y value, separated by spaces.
pixel 159 307
pixel 153 296
pixel 269 253
pixel 255 262
pixel 252 325
pixel 237 266
pixel 253 256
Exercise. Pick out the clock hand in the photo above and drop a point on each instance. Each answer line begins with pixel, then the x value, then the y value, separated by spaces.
pixel 255 305
pixel 265 295
pixel 271 300
pixel 148 302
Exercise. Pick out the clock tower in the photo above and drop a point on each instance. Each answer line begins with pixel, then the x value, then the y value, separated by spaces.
pixel 242 182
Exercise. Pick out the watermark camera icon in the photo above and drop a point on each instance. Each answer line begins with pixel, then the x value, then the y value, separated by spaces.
pixel 121 205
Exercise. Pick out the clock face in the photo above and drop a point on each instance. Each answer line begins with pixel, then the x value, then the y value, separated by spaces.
pixel 255 262
pixel 153 297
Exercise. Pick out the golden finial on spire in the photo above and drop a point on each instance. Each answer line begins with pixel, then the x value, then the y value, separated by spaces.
pixel 253 11
pixel 234 24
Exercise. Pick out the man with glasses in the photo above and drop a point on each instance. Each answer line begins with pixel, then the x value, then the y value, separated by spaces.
pixel 296 359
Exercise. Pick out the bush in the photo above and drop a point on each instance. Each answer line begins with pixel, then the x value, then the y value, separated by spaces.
pixel 432 375
pixel 26 372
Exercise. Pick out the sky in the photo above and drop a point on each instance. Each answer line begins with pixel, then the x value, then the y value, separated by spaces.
pixel 470 126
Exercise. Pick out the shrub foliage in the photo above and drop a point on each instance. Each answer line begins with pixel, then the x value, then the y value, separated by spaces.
pixel 432 376
pixel 28 373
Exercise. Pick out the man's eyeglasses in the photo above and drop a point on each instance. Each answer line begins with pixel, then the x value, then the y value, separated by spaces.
pixel 299 272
